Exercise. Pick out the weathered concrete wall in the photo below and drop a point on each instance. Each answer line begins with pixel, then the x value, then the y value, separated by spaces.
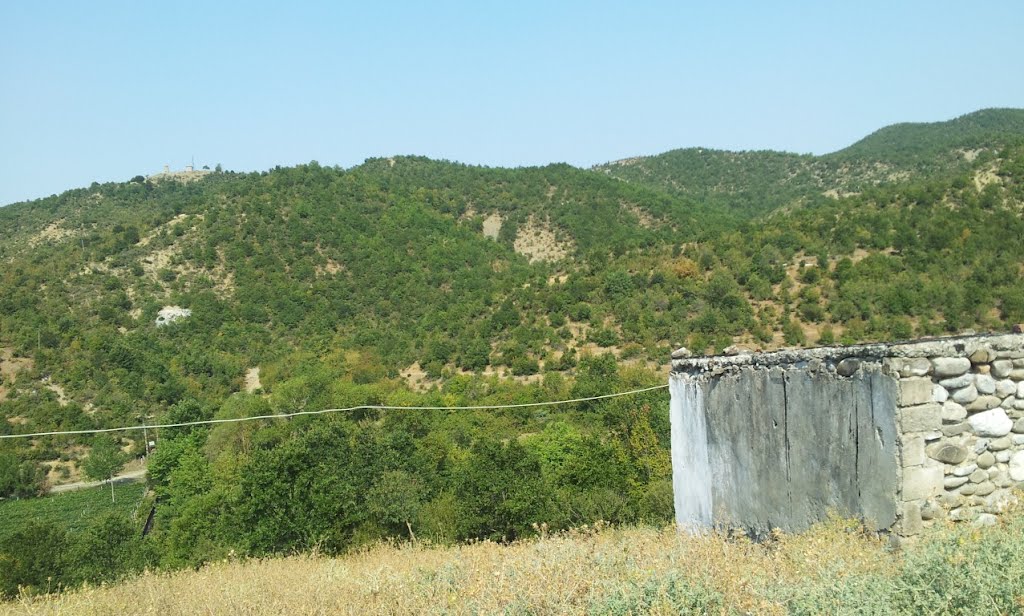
pixel 898 435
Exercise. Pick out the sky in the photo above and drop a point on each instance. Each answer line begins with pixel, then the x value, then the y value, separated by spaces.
pixel 103 91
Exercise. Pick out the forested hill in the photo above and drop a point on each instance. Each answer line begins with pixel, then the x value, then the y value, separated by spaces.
pixel 407 280
pixel 409 262
pixel 748 184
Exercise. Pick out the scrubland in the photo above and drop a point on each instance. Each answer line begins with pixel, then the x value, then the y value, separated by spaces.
pixel 834 568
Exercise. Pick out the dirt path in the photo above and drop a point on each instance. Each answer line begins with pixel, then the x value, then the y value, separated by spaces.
pixel 127 477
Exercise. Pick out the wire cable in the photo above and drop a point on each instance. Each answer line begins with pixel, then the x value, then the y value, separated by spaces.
pixel 362 407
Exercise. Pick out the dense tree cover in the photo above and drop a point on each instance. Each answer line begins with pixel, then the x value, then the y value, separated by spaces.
pixel 335 281
pixel 937 145
pixel 749 184
pixel 341 481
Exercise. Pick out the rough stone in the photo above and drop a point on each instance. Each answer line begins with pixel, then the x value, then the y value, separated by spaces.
pixel 922 482
pixel 985 488
pixel 993 473
pixel 986 460
pixel 947 453
pixel 960 514
pixel 994 423
pixel 953 482
pixel 1017 466
pixel 1001 368
pixel 982 403
pixel 957 382
pixel 921 418
pixel 963 471
pixel 985 519
pixel 950 366
pixel 916 366
pixel 949 500
pixel 911 523
pixel 978 476
pixel 916 390
pixel 980 445
pixel 983 369
pixel 953 412
pixel 848 367
pixel 681 353
pixel 985 384
pixel 965 395
pixel 929 511
pixel 939 393
pixel 1005 387
pixel 910 366
pixel 1002 480
pixel 1008 403
pixel 934 435
pixel 981 356
pixel 1000 443
pixel 955 429
pixel 1003 456
pixel 913 451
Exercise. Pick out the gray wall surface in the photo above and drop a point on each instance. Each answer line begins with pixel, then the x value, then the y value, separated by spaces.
pixel 787 444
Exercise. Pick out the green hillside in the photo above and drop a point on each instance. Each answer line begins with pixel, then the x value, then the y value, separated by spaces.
pixel 409 281
pixel 938 145
pixel 747 184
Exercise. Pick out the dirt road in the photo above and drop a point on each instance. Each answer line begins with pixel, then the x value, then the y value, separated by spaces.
pixel 125 477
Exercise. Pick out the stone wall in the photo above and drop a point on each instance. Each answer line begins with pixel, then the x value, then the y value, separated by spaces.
pixel 900 435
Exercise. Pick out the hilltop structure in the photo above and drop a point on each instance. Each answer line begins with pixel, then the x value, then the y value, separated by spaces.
pixel 188 174
pixel 900 435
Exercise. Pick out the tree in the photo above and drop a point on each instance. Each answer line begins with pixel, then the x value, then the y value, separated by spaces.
pixel 30 559
pixel 104 461
pixel 396 499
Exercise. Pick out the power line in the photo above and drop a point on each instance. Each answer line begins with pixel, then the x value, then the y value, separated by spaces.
pixel 362 407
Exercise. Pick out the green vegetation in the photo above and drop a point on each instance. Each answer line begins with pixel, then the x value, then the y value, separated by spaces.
pixel 71 511
pixel 378 285
pixel 833 568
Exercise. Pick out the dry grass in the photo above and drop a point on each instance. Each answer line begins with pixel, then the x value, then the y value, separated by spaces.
pixel 584 571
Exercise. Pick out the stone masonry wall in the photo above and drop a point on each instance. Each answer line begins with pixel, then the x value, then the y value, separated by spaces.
pixel 962 422
pixel 959 423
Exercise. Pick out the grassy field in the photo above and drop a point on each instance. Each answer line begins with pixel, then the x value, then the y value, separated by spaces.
pixel 70 510
pixel 832 569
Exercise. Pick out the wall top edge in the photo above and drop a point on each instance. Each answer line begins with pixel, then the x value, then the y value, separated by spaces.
pixel 953 346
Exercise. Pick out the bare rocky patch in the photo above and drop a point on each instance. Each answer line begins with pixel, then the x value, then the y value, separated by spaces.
pixel 537 242
pixel 986 176
pixel 252 380
pixel 642 216
pixel 10 365
pixel 52 233
pixel 492 225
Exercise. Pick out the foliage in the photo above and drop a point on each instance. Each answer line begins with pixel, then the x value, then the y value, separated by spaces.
pixel 833 568
pixel 338 283
pixel 104 459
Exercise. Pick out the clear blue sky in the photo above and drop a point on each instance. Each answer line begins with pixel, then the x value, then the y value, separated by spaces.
pixel 100 91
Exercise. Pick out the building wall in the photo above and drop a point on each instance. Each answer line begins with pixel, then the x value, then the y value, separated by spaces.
pixel 899 435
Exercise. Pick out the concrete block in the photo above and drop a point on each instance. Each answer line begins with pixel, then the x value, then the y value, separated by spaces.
pixel 913 450
pixel 922 482
pixel 916 390
pixel 921 418
pixel 911 522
